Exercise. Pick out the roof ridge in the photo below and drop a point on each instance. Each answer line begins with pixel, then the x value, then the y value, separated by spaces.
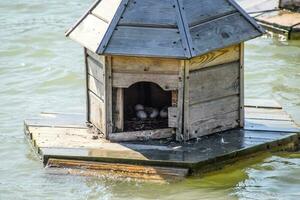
pixel 114 22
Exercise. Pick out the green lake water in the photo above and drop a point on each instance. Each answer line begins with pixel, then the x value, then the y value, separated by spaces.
pixel 41 70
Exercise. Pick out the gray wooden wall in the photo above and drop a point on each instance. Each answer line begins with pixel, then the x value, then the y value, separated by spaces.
pixel 213 96
pixel 95 75
pixel 209 90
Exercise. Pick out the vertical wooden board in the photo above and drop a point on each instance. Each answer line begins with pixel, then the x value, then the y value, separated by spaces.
pixel 118 109
pixel 172 117
pixel 90 32
pixel 95 69
pixel 242 106
pixel 86 84
pixel 96 87
pixel 180 103
pixel 213 116
pixel 106 9
pixel 149 13
pixel 97 112
pixel 126 64
pixel 108 95
pixel 186 102
pixel 201 11
pixel 217 57
pixel 214 82
pixel 222 32
pixel 146 41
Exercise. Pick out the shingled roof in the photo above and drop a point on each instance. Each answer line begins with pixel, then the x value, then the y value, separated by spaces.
pixel 163 28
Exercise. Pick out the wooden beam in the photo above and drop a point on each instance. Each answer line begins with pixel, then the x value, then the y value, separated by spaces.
pixel 137 172
pixel 86 85
pixel 186 102
pixel 142 135
pixel 180 102
pixel 108 95
pixel 119 109
pixel 242 96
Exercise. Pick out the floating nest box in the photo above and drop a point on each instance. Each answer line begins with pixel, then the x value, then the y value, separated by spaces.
pixel 164 68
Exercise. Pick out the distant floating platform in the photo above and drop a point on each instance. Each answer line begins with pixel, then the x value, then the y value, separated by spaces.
pixel 281 22
pixel 274 19
pixel 66 145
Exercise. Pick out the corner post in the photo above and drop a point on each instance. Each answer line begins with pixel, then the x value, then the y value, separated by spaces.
pixel 86 85
pixel 186 114
pixel 242 107
pixel 108 95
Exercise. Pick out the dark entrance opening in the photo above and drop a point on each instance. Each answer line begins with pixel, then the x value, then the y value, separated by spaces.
pixel 146 107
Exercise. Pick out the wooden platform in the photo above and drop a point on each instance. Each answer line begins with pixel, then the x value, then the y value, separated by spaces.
pixel 268 14
pixel 64 141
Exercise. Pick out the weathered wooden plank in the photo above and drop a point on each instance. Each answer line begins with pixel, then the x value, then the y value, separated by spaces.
pixel 219 123
pixel 148 42
pixel 106 10
pixel 214 116
pixel 226 55
pixel 97 112
pixel 165 81
pixel 173 117
pixel 242 89
pixel 214 82
pixel 125 64
pixel 87 35
pixel 210 109
pixel 266 113
pixel 154 13
pixel 186 102
pixel 282 19
pixel 180 102
pixel 118 111
pixel 271 125
pixel 221 32
pixel 262 103
pixel 96 87
pixel 47 119
pixel 108 95
pixel 96 57
pixel 201 11
pixel 142 135
pixel 87 101
pixel 95 69
pixel 137 172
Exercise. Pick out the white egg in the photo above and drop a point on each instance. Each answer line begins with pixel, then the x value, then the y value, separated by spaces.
pixel 138 107
pixel 141 114
pixel 163 113
pixel 154 113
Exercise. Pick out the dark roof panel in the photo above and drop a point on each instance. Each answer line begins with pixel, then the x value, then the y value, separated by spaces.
pixel 163 28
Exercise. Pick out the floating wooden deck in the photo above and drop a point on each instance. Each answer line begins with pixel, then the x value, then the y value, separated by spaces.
pixel 268 14
pixel 64 141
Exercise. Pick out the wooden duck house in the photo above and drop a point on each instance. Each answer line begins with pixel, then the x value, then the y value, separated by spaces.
pixel 161 69
pixel 164 68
